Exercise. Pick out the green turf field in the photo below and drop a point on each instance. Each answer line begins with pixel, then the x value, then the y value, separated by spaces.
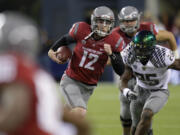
pixel 104 109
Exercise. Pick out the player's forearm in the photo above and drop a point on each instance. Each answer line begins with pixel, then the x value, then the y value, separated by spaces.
pixel 172 41
pixel 127 75
pixel 173 44
pixel 63 41
pixel 124 84
pixel 164 35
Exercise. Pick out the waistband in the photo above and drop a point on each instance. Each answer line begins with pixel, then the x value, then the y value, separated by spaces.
pixel 151 90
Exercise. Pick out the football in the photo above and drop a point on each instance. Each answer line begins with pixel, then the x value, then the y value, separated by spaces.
pixel 64 53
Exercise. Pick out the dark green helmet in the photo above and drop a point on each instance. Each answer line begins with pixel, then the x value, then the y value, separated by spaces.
pixel 144 44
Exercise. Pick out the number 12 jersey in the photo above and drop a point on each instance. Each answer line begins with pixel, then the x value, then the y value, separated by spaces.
pixel 89 57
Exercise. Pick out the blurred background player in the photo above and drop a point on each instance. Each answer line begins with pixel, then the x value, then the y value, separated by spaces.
pixel 28 95
pixel 93 45
pixel 129 24
pixel 149 62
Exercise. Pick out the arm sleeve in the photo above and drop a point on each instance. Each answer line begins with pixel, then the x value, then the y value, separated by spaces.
pixel 63 41
pixel 117 63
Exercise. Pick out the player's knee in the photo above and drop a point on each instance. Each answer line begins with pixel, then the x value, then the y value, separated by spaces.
pixel 79 111
pixel 146 117
pixel 126 122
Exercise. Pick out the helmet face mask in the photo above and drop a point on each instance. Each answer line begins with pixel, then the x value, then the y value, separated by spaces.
pixel 144 45
pixel 129 14
pixel 102 21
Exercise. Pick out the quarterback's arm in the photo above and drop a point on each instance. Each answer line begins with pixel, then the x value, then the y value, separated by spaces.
pixel 175 65
pixel 63 41
pixel 15 100
pixel 115 59
pixel 164 35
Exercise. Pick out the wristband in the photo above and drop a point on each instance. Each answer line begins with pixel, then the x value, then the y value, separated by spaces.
pixel 125 91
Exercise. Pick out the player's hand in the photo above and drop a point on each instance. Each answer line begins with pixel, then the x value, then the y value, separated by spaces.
pixel 107 48
pixel 131 95
pixel 52 54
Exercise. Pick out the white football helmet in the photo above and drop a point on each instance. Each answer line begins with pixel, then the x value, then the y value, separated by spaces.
pixel 18 33
pixel 129 13
pixel 104 14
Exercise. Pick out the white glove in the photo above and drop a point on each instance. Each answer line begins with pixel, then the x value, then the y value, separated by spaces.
pixel 176 54
pixel 131 95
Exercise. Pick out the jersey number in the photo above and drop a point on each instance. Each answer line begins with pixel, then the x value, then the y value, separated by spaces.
pixel 91 56
pixel 147 78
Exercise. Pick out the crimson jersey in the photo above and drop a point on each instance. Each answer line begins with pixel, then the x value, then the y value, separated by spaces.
pixel 143 26
pixel 89 58
pixel 44 114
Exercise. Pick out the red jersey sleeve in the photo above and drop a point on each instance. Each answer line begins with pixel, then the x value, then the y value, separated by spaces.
pixel 117 42
pixel 78 29
pixel 74 29
pixel 149 26
pixel 155 30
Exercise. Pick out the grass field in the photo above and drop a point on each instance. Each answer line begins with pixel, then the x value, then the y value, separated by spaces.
pixel 104 110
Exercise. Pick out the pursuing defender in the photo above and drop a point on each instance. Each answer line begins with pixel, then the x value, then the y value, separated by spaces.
pixel 149 63
pixel 129 25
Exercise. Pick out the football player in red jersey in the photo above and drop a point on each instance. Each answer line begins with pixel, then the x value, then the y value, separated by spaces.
pixel 28 95
pixel 129 25
pixel 94 43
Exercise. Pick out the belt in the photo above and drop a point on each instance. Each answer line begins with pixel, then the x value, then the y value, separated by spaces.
pixel 154 90
pixel 151 90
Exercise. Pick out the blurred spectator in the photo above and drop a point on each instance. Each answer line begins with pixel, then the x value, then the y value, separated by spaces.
pixel 147 17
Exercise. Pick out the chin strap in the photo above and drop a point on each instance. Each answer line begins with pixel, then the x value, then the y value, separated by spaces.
pixel 100 33
pixel 88 36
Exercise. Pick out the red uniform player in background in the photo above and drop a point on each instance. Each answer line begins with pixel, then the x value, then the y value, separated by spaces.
pixel 29 100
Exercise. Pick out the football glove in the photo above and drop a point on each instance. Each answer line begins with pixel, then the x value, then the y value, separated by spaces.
pixel 131 95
